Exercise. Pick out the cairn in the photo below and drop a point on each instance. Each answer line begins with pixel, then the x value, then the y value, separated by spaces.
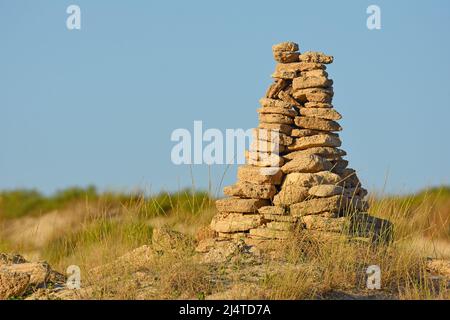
pixel 295 178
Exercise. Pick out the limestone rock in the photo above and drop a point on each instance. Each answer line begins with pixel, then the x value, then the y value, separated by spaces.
pixel 286 56
pixel 339 165
pixel 285 46
pixel 325 152
pixel 260 175
pixel 281 111
pixel 323 113
pixel 318 105
pixel 39 272
pixel 280 218
pixel 13 284
pixel 326 190
pixel 274 103
pixel 299 133
pixel 234 222
pixel 250 190
pixel 321 140
pixel 276 87
pixel 264 159
pixel 304 82
pixel 317 124
pixel 307 164
pixel 319 222
pixel 240 205
pixel 275 118
pixel 272 210
pixel 310 179
pixel 266 146
pixel 293 70
pixel 290 195
pixel 315 206
pixel 286 97
pixel 166 239
pixel 283 128
pixel 282 226
pixel 317 57
pixel 267 233
pixel 321 95
pixel 272 136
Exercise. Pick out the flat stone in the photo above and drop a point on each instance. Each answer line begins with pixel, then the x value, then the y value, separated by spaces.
pixel 233 235
pixel 267 146
pixel 355 192
pixel 315 73
pixel 317 124
pixel 274 103
pixel 250 190
pixel 13 284
pixel 315 206
pixel 235 222
pixel 285 46
pixel 317 105
pixel 240 205
pixel 322 95
pixel 293 70
pixel 307 164
pixel 304 82
pixel 319 222
pixel 264 159
pixel 325 190
pixel 364 225
pixel 281 111
pixel 323 113
pixel 286 56
pixel 321 140
pixel 272 210
pixel 269 233
pixel 283 128
pixel 290 195
pixel 317 57
pixel 281 218
pixel 272 136
pixel 326 152
pixel 339 165
pixel 299 133
pixel 260 175
pixel 276 87
pixel 299 179
pixel 275 118
pixel 286 97
pixel 278 225
pixel 349 177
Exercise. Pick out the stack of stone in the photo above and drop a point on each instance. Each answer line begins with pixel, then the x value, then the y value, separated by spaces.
pixel 295 179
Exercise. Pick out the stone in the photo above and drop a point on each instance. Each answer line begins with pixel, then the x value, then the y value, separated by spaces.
pixel 298 179
pixel 298 133
pixel 317 57
pixel 260 175
pixel 348 177
pixel 365 225
pixel 304 82
pixel 39 272
pixel 272 210
pixel 250 190
pixel 285 46
pixel 325 152
pixel 325 190
pixel 276 87
pixel 282 226
pixel 166 239
pixel 240 205
pixel 293 70
pixel 275 118
pixel 286 97
pixel 339 165
pixel 286 56
pixel 233 235
pixel 267 233
pixel 218 251
pixel 323 113
pixel 290 195
pixel 283 128
pixel 317 124
pixel 279 111
pixel 307 164
pixel 318 105
pixel 264 159
pixel 322 95
pixel 267 146
pixel 234 222
pixel 281 218
pixel 315 73
pixel 274 103
pixel 13 284
pixel 323 223
pixel 272 136
pixel 316 206
pixel 321 140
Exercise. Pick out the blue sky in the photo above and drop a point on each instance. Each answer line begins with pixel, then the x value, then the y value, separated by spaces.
pixel 98 105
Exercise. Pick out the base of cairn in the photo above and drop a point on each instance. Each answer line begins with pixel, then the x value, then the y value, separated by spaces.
pixel 295 183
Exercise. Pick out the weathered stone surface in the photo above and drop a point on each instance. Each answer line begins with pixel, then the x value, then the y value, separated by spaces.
pixel 166 239
pixel 264 159
pixel 348 177
pixel 326 152
pixel 286 97
pixel 310 179
pixel 322 95
pixel 39 272
pixel 299 133
pixel 323 113
pixel 293 70
pixel 317 57
pixel 281 218
pixel 234 222
pixel 307 164
pixel 279 111
pixel 326 190
pixel 267 146
pixel 304 82
pixel 240 205
pixel 285 46
pixel 269 233
pixel 339 165
pixel 283 128
pixel 272 210
pixel 315 73
pixel 218 251
pixel 13 284
pixel 365 225
pixel 275 118
pixel 276 87
pixel 321 140
pixel 286 56
pixel 317 124
pixel 250 190
pixel 260 175
pixel 318 105
pixel 350 192
pixel 274 103
pixel 353 204
pixel 315 206
pixel 290 195
pixel 272 136
pixel 278 225
pixel 319 222
pixel 232 235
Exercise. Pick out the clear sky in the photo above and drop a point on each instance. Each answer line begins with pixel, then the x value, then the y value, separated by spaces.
pixel 98 105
